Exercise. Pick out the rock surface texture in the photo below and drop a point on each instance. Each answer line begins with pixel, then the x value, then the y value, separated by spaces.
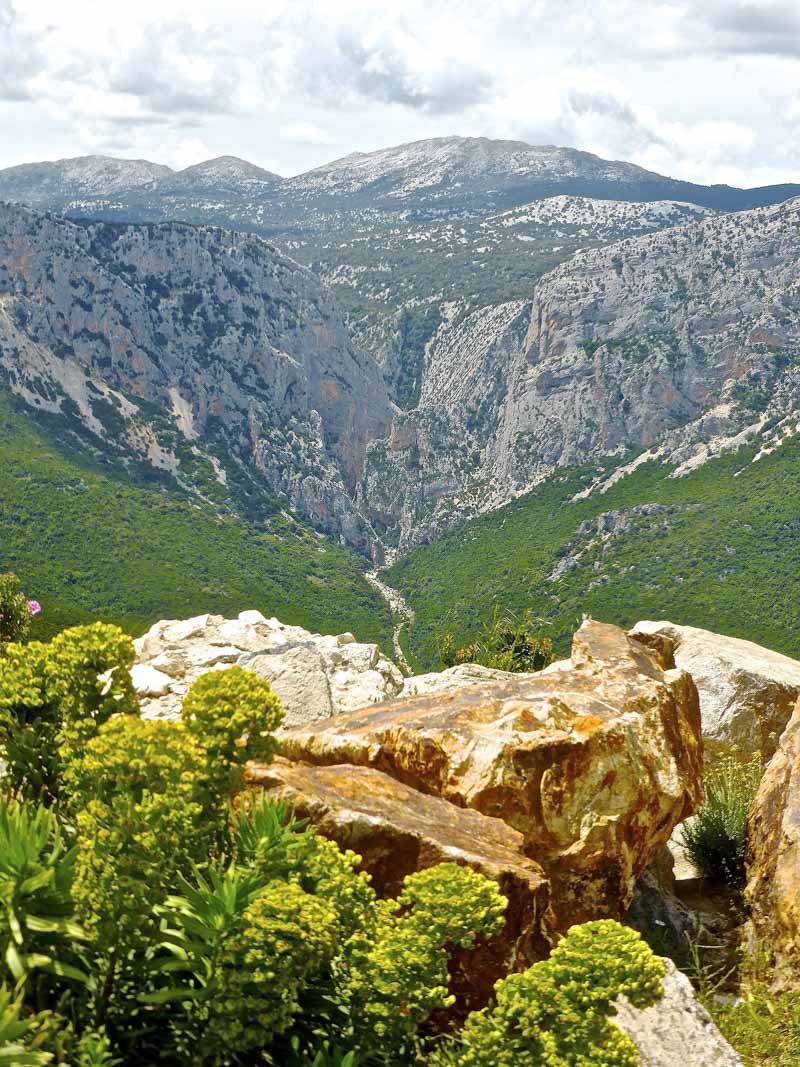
pixel 747 693
pixel 203 352
pixel 315 676
pixel 773 860
pixel 593 762
pixel 398 830
pixel 676 1032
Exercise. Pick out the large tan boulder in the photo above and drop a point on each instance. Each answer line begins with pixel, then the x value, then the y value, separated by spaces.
pixel 747 692
pixel 397 830
pixel 773 859
pixel 314 675
pixel 593 763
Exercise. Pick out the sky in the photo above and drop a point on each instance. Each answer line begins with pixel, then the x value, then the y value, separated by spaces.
pixel 706 91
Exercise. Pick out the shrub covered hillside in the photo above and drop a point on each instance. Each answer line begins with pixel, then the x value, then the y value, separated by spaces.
pixel 146 919
pixel 716 548
pixel 94 544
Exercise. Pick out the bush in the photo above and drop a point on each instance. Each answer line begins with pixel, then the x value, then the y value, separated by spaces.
pixel 232 713
pixel 559 1012
pixel 394 975
pixel 506 644
pixel 716 837
pixel 139 794
pixel 53 699
pixel 16 611
pixel 37 927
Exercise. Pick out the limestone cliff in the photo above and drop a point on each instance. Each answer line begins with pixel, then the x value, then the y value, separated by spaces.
pixel 204 353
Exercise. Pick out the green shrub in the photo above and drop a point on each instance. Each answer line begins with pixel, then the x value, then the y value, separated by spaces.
pixel 506 644
pixel 139 797
pixel 18 1035
pixel 394 975
pixel 559 1012
pixel 232 713
pixel 16 611
pixel 37 926
pixel 53 699
pixel 716 837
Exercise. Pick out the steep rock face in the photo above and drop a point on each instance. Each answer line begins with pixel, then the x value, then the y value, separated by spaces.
pixel 747 693
pixel 593 762
pixel 397 830
pixel 773 859
pixel 676 344
pixel 205 353
pixel 315 676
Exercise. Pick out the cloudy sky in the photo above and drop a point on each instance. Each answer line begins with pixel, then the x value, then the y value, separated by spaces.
pixel 706 90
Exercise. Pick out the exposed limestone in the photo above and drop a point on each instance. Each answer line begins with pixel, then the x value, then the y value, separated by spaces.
pixel 747 693
pixel 773 860
pixel 677 1031
pixel 398 830
pixel 593 762
pixel 315 676
pixel 204 352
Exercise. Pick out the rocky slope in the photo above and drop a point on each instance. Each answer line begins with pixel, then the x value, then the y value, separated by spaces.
pixel 206 354
pixel 674 344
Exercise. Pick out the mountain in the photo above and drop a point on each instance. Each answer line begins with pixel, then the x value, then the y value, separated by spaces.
pixel 446 174
pixel 672 345
pixel 85 177
pixel 205 354
pixel 400 233
pixel 225 173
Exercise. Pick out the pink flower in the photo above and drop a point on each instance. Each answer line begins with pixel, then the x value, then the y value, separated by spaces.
pixel 34 607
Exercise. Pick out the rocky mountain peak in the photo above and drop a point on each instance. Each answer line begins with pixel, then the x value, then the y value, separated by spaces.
pixel 227 171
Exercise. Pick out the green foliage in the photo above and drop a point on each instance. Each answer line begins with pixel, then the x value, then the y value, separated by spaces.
pixel 505 643
pixel 716 837
pixel 15 615
pixel 559 1012
pixel 37 927
pixel 141 802
pixel 17 1035
pixel 55 696
pixel 395 973
pixel 763 1027
pixel 724 556
pixel 232 714
pixel 93 544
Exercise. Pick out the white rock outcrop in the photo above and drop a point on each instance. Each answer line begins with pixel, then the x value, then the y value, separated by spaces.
pixel 315 676
pixel 677 1031
pixel 747 693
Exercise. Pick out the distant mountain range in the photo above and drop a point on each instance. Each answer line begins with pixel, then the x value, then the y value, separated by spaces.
pixel 428 333
pixel 440 176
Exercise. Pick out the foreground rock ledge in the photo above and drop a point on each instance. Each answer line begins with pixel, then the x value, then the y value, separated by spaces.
pixel 773 860
pixel 397 830
pixel 593 761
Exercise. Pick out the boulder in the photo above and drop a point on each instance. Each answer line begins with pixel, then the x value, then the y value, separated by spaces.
pixel 747 692
pixel 593 763
pixel 657 912
pixel 315 676
pixel 773 860
pixel 449 679
pixel 677 1030
pixel 398 830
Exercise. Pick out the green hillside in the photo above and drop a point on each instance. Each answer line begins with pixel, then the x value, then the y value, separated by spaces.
pixel 87 543
pixel 724 554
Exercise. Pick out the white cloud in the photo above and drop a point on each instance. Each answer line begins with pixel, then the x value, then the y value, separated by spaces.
pixel 303 133
pixel 702 89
